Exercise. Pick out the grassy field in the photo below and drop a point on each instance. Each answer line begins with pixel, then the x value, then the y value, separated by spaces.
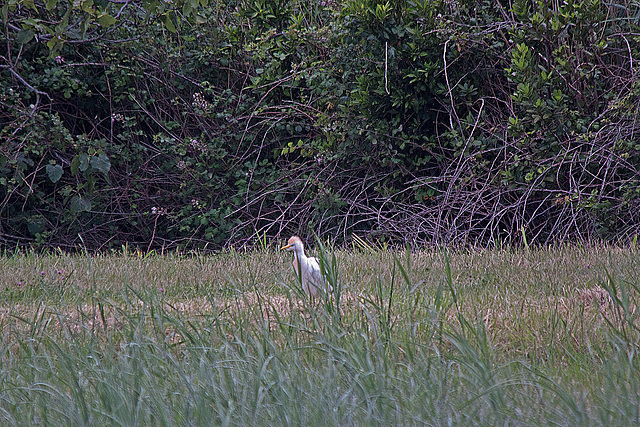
pixel 469 337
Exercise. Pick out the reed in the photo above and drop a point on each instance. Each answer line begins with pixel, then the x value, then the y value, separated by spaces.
pixel 538 336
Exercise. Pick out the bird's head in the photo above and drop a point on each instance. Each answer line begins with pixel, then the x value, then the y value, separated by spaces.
pixel 294 244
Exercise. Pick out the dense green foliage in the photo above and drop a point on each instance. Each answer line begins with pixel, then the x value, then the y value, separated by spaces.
pixel 189 123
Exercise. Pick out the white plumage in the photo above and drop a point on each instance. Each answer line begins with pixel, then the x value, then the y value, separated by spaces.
pixel 312 280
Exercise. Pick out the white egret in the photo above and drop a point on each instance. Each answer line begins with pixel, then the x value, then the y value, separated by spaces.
pixel 312 280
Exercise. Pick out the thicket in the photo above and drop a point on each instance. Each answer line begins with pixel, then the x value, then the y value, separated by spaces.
pixel 198 123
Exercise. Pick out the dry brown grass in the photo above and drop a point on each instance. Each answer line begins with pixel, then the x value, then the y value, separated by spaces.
pixel 527 299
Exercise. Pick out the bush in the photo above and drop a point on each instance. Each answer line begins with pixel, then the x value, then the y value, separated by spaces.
pixel 410 121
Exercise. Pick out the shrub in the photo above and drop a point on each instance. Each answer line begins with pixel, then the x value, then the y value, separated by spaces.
pixel 410 121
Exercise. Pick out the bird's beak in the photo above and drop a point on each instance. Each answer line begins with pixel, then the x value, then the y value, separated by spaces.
pixel 286 247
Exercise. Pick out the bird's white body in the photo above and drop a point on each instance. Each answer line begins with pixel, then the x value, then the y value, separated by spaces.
pixel 308 269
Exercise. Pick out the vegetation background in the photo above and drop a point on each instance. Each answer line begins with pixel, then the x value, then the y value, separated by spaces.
pixel 135 128
pixel 545 336
pixel 194 122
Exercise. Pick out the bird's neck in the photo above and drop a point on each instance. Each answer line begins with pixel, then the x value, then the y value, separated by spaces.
pixel 299 255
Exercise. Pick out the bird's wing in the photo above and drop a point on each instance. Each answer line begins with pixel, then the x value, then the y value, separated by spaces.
pixel 316 274
pixel 313 268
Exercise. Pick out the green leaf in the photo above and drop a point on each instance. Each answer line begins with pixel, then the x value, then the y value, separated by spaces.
pixel 54 172
pixel 75 165
pixel 30 4
pixel 24 36
pixel 30 22
pixel 84 162
pixel 187 8
pixel 91 183
pixel 106 20
pixel 50 4
pixel 64 23
pixel 80 204
pixel 101 163
pixel 86 23
pixel 168 22
pixel 52 43
pixel 87 6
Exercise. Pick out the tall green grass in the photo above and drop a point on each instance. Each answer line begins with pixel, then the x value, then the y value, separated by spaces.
pixel 544 336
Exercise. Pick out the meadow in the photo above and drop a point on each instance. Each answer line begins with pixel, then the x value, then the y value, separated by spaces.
pixel 429 337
